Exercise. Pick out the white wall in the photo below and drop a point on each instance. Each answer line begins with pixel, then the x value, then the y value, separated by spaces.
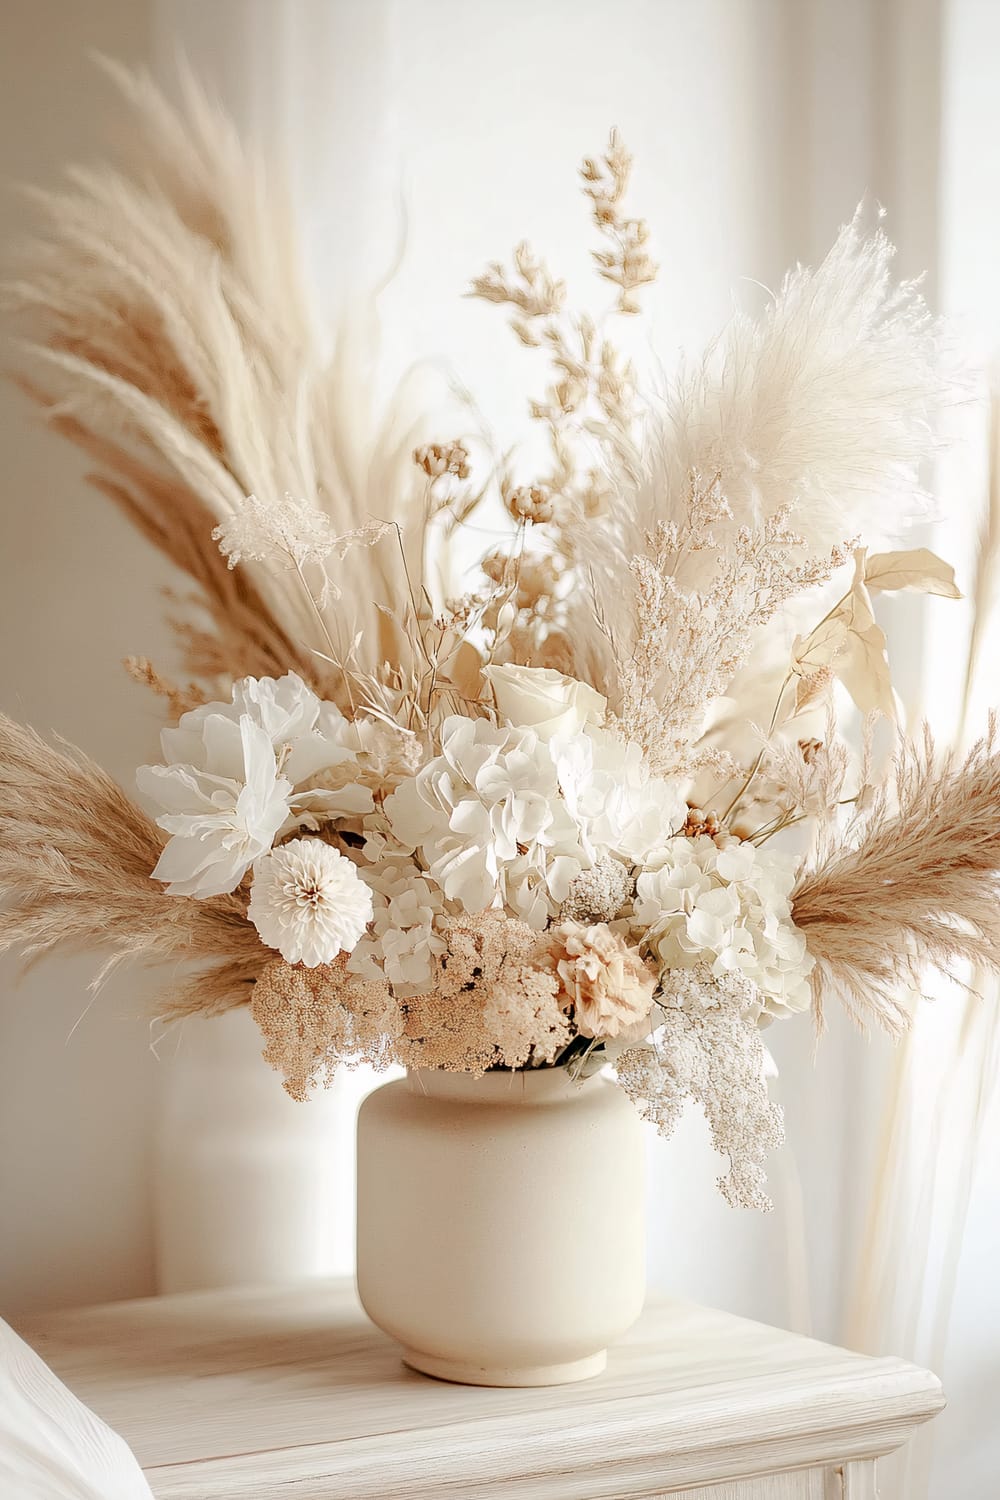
pixel 77 592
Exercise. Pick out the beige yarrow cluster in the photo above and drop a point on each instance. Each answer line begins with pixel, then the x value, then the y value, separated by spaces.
pixel 499 995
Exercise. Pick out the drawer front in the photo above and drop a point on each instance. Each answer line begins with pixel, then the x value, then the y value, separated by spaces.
pixel 856 1481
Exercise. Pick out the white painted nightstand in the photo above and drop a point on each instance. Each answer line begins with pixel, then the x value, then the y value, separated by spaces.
pixel 290 1394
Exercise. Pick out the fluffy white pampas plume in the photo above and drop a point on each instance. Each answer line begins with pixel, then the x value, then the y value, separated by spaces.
pixel 826 403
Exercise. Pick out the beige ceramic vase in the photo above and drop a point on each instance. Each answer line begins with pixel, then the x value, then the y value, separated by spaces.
pixel 501 1227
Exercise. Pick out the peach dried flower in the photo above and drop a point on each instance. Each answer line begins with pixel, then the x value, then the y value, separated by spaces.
pixel 607 982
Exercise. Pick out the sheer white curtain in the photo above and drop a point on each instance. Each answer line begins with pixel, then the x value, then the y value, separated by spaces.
pixel 442 132
pixel 927 1284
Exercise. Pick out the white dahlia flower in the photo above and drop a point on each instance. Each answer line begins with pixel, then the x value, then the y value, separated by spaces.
pixel 727 909
pixel 309 902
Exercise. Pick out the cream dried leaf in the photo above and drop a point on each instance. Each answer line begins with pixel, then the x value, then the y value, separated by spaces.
pixel 916 568
pixel 811 653
pixel 853 645
pixel 863 668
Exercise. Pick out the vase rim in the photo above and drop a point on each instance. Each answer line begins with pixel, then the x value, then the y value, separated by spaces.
pixel 516 1086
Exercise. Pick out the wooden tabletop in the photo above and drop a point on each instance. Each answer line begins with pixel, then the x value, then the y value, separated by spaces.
pixel 291 1393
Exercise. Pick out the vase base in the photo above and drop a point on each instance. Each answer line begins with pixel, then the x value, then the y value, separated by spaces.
pixel 464 1372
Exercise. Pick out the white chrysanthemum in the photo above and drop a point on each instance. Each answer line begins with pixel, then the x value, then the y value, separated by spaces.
pixel 309 902
pixel 728 909
pixel 489 821
pixel 219 823
pixel 403 940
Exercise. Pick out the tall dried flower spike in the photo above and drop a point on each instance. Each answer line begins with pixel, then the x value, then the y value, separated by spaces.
pixel 627 264
pixel 532 291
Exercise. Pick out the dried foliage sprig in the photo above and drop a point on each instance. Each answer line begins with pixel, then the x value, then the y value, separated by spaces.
pixel 627 263
pixel 590 405
pixel 682 648
pixel 709 1050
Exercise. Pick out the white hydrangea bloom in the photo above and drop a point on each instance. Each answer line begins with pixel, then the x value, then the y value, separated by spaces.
pixel 728 908
pixel 489 822
pixel 309 902
pixel 619 807
pixel 403 941
pixel 219 823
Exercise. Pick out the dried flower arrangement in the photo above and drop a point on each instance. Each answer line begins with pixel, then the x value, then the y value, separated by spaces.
pixel 532 822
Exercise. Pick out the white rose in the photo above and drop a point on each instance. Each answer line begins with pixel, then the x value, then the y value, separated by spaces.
pixel 538 698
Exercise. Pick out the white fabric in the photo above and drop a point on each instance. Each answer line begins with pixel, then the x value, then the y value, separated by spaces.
pixel 52 1447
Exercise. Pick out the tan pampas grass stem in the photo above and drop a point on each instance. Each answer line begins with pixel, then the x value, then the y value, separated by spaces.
pixel 75 857
pixel 168 328
pixel 918 888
